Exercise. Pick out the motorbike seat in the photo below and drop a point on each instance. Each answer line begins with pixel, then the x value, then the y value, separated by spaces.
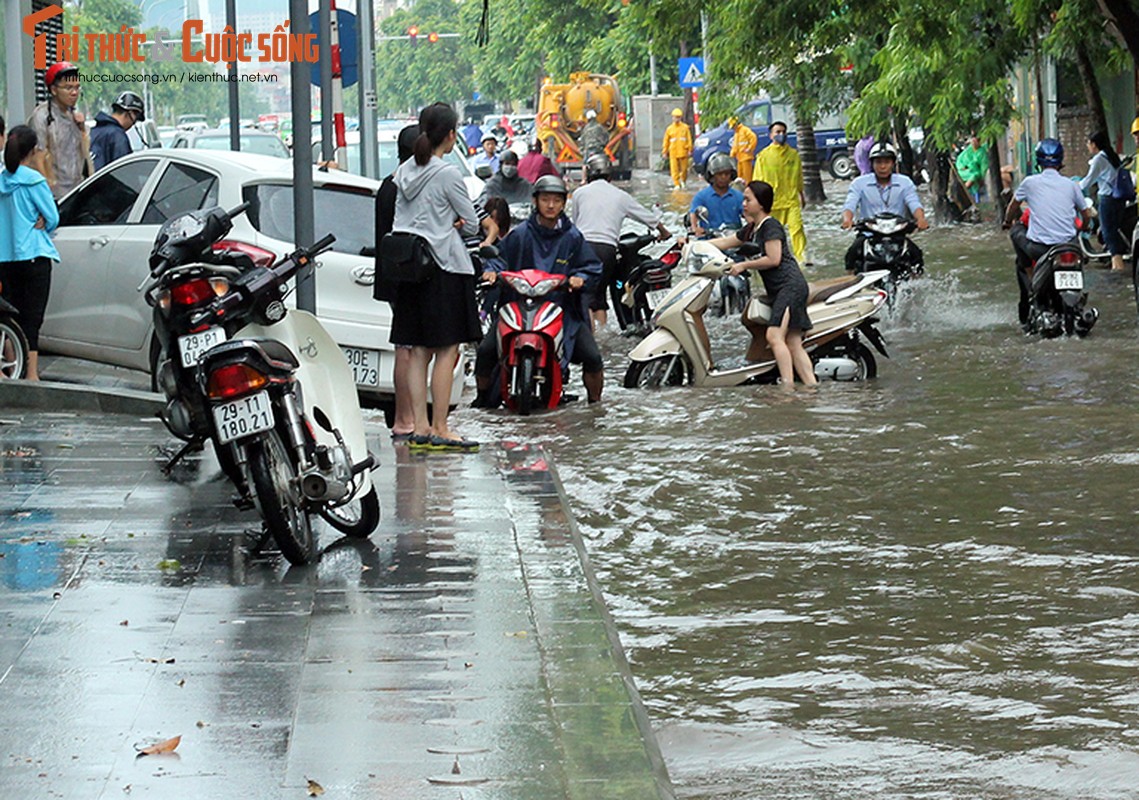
pixel 820 291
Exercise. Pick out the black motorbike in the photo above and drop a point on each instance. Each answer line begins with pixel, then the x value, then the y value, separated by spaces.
pixel 13 343
pixel 886 246
pixel 1057 301
pixel 641 282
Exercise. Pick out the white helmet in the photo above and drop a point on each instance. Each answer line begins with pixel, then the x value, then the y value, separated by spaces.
pixel 591 114
pixel 883 150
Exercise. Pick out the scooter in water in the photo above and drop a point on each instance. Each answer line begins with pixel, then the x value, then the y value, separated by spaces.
pixel 731 292
pixel 678 352
pixel 274 393
pixel 886 246
pixel 13 343
pixel 531 340
pixel 1057 302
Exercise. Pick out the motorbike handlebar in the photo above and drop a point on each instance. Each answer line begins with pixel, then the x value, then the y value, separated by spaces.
pixel 237 210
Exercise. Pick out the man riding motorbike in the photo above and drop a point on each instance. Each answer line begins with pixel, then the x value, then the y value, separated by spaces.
pixel 724 204
pixel 1055 203
pixel 599 208
pixel 548 241
pixel 882 191
pixel 507 183
pixel 594 137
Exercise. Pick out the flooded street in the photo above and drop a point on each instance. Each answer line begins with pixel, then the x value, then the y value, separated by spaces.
pixel 919 586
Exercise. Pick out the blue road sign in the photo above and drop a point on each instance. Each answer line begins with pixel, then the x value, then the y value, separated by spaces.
pixel 349 57
pixel 691 72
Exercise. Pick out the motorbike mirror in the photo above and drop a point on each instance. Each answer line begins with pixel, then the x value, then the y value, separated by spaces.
pixel 702 213
pixel 483 172
pixel 322 419
pixel 488 251
pixel 750 249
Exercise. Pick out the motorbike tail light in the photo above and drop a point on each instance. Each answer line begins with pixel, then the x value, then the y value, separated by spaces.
pixel 192 292
pixel 670 258
pixel 1068 259
pixel 258 255
pixel 234 380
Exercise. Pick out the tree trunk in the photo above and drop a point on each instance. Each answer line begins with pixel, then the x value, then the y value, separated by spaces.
pixel 1091 88
pixel 905 152
pixel 996 181
pixel 939 164
pixel 809 156
pixel 1124 18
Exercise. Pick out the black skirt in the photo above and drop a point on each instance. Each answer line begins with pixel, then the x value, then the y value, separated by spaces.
pixel 438 313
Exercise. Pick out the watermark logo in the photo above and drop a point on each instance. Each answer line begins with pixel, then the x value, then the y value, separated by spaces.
pixel 197 45
pixel 29 27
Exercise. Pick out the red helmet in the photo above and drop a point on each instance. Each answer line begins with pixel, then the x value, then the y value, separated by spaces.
pixel 57 69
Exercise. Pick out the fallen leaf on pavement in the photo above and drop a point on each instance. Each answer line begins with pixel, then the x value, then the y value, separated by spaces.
pixel 314 788
pixel 162 747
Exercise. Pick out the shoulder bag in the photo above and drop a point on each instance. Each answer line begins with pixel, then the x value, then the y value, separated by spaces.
pixel 405 258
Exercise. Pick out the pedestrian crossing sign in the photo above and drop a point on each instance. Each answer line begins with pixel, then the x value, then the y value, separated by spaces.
pixel 691 72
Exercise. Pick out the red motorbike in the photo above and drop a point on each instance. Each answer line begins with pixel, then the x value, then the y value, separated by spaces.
pixel 530 334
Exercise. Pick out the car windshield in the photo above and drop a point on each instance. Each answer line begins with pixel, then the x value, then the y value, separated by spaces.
pixel 346 212
pixel 259 145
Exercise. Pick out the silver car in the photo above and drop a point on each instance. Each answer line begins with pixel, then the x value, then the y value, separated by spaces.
pixel 109 222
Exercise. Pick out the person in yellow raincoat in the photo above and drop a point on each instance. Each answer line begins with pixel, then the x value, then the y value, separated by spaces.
pixel 743 149
pixel 677 148
pixel 779 165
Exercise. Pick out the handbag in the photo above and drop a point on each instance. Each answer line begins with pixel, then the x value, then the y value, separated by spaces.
pixel 405 258
pixel 758 311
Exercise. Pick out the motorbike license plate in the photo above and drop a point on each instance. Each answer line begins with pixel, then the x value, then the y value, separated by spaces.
pixel 365 365
pixel 656 297
pixel 192 345
pixel 243 417
pixel 1068 279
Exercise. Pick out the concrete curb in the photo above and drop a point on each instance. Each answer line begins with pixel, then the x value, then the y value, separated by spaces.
pixel 55 396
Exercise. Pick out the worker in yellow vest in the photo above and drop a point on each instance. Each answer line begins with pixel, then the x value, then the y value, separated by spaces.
pixel 677 148
pixel 743 148
pixel 779 165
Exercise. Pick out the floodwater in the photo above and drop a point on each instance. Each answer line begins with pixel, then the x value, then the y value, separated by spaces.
pixel 923 585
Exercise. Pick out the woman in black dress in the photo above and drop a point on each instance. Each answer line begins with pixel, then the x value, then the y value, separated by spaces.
pixel 783 282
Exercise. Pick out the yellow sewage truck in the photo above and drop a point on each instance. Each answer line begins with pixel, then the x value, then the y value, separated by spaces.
pixel 561 118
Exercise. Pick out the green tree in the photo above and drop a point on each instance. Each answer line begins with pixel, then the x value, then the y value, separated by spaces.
pixel 409 76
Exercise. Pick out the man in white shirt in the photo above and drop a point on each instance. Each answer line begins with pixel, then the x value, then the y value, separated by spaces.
pixel 599 208
pixel 1054 204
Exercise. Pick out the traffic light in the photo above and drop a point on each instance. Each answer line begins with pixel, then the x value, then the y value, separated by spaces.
pixel 433 37
pixel 413 35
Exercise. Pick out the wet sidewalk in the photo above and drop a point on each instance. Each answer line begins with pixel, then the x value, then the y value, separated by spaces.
pixel 462 652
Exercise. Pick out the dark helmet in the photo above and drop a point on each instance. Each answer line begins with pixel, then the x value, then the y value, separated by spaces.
pixel 129 101
pixel 549 184
pixel 597 166
pixel 719 162
pixel 58 70
pixel 883 150
pixel 1049 153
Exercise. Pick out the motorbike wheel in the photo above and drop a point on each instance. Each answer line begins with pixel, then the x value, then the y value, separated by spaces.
pixel 658 372
pixel 13 349
pixel 357 518
pixel 278 497
pixel 842 167
pixel 525 385
pixel 867 365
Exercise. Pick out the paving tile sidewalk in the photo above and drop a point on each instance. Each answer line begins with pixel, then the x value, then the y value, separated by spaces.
pixel 462 652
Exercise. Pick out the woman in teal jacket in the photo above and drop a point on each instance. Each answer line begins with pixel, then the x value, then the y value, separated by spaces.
pixel 27 217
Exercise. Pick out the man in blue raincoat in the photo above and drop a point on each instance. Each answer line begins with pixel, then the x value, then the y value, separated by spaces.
pixel 550 242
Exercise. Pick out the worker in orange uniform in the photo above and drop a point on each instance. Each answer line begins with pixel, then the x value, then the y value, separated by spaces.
pixel 780 166
pixel 743 148
pixel 677 148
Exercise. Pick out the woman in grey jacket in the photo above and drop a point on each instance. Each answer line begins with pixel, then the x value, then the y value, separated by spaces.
pixel 434 318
